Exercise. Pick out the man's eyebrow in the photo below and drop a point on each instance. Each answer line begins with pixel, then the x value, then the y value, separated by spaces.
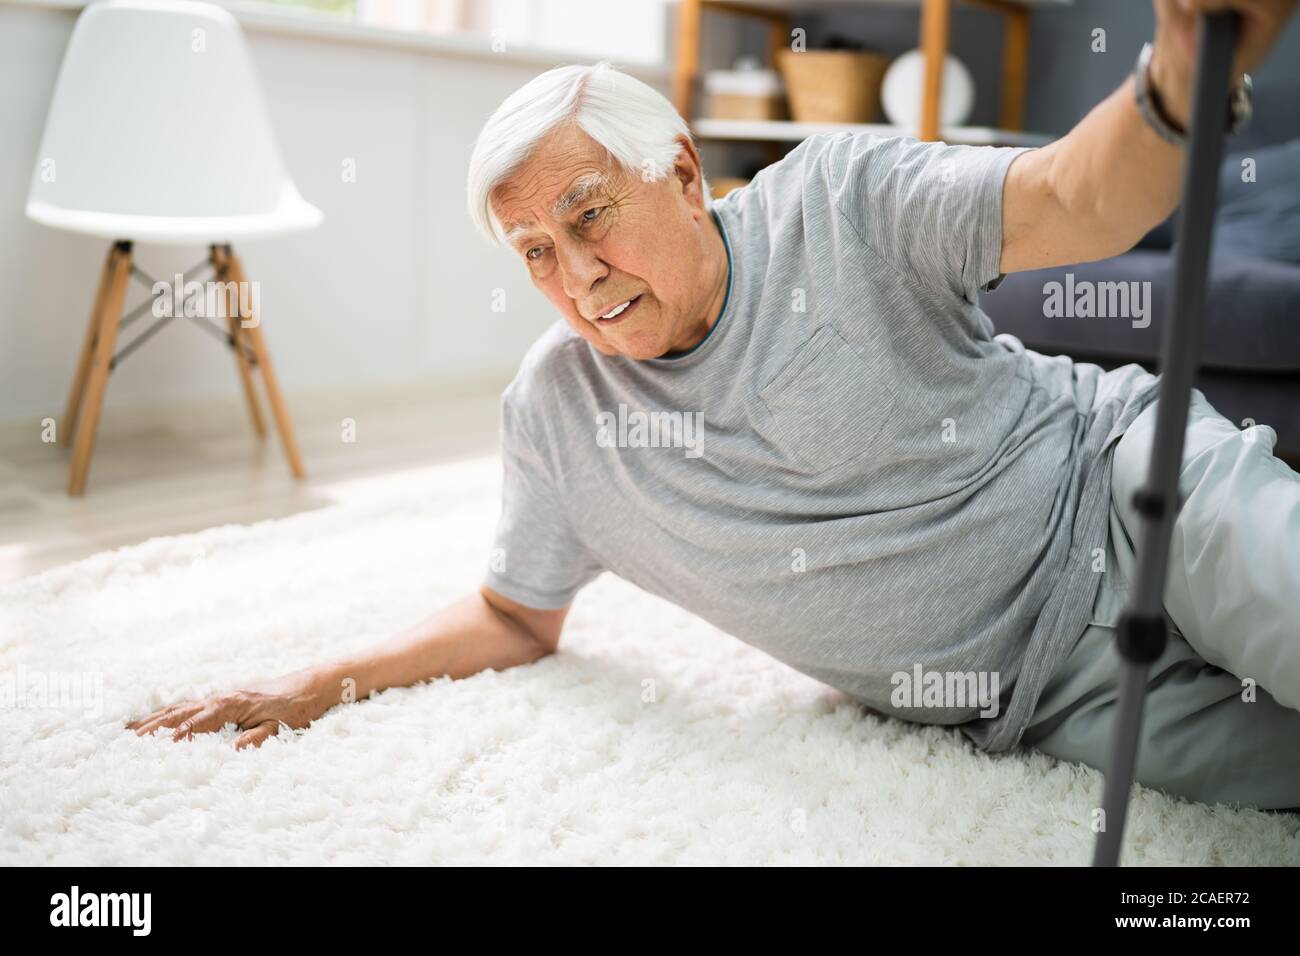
pixel 582 189
pixel 518 231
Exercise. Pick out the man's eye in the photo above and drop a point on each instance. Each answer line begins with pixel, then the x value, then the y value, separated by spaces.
pixel 537 249
pixel 587 217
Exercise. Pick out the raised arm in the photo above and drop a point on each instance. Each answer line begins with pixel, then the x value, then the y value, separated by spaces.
pixel 1096 191
pixel 483 630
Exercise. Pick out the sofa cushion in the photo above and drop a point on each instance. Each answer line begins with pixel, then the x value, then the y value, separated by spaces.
pixel 1259 213
pixel 1252 310
pixel 1162 236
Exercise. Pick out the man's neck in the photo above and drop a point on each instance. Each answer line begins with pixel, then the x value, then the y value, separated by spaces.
pixel 718 277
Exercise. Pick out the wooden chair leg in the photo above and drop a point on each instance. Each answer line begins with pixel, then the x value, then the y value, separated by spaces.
pixel 68 425
pixel 239 336
pixel 92 401
pixel 281 412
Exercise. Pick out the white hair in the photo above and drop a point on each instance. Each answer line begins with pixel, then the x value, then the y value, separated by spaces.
pixel 632 121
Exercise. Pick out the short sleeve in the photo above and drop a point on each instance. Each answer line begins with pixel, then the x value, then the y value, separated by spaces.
pixel 932 210
pixel 537 559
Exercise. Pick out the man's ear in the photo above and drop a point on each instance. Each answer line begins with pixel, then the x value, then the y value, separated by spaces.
pixel 688 170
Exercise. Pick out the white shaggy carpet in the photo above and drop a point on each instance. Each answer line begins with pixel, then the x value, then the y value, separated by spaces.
pixel 736 759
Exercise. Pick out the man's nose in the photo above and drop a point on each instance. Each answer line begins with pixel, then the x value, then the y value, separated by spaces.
pixel 581 268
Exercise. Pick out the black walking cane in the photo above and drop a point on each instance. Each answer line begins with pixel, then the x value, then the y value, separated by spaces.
pixel 1141 632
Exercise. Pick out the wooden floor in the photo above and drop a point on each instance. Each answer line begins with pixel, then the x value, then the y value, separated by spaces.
pixel 186 467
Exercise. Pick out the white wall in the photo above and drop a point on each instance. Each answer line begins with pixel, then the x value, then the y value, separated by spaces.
pixel 394 287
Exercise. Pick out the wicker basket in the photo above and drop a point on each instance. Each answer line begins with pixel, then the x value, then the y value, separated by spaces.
pixel 734 106
pixel 748 93
pixel 832 86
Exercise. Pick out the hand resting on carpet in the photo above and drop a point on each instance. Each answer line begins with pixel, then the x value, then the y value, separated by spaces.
pixel 483 630
pixel 294 700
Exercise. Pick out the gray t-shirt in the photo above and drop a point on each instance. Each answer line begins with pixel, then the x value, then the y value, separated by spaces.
pixel 851 472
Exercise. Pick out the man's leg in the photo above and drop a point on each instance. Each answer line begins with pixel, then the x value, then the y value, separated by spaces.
pixel 1206 735
pixel 1200 739
pixel 1234 560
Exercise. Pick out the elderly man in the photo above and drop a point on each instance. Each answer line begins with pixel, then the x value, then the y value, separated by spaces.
pixel 785 411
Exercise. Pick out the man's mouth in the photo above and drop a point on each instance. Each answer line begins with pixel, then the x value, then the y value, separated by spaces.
pixel 619 312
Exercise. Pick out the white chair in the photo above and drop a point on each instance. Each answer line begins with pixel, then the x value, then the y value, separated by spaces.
pixel 157 133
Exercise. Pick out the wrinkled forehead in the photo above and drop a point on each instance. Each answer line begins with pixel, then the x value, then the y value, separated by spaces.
pixel 561 175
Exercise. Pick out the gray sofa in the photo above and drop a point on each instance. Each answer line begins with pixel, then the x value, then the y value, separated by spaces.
pixel 1250 360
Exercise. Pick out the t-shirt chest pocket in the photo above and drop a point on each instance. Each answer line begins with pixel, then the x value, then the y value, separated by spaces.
pixel 828 405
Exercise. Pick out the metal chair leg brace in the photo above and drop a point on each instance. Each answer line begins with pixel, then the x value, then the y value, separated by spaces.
pixel 203 322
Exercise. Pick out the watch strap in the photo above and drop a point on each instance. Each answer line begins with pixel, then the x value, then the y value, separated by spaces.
pixel 1148 101
pixel 1240 102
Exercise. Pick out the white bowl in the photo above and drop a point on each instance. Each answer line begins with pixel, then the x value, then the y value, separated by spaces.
pixel 904 84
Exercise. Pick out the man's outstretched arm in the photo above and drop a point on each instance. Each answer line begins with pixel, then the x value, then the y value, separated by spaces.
pixel 1096 191
pixel 481 631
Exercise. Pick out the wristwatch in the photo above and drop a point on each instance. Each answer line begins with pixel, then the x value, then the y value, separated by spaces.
pixel 1240 103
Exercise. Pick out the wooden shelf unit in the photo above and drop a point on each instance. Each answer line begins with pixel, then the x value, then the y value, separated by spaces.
pixel 936 16
pixel 787 131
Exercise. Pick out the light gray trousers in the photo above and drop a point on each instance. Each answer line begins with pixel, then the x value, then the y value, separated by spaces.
pixel 1221 722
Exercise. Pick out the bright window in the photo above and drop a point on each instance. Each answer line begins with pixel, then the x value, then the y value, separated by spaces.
pixel 626 31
